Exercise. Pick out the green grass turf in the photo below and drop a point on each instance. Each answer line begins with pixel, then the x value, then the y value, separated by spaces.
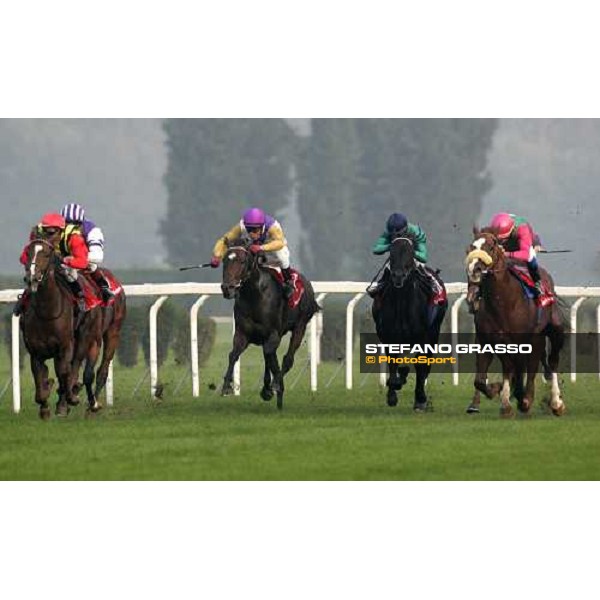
pixel 332 435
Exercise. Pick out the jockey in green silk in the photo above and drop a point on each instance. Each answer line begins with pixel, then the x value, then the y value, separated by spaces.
pixel 396 224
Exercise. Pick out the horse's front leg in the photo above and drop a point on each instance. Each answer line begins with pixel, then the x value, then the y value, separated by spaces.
pixel 42 387
pixel 62 366
pixel 272 363
pixel 240 343
pixel 267 391
pixel 420 404
pixel 483 362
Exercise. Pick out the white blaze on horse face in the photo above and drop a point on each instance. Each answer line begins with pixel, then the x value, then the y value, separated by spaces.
pixel 477 244
pixel 232 256
pixel 37 249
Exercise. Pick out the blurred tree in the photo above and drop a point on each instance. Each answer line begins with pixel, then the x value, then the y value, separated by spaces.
pixel 329 184
pixel 358 171
pixel 216 168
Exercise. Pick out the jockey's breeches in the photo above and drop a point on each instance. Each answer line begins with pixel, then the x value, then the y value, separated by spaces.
pixel 280 258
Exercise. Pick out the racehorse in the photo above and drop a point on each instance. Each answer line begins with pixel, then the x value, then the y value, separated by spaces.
pixel 113 316
pixel 506 315
pixel 51 329
pixel 263 316
pixel 403 315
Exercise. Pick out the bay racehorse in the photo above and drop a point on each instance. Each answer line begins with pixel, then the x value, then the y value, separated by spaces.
pixel 51 327
pixel 263 316
pixel 403 314
pixel 507 315
pixel 113 316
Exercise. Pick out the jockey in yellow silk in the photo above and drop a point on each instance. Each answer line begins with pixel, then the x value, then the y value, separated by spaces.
pixel 263 233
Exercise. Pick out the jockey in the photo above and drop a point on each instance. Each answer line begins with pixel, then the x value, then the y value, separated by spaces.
pixel 73 250
pixel 518 242
pixel 264 234
pixel 397 224
pixel 74 215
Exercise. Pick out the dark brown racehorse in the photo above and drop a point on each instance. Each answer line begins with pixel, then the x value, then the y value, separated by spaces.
pixel 505 316
pixel 262 317
pixel 51 328
pixel 112 320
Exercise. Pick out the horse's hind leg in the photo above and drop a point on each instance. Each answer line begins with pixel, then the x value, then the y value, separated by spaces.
pixel 556 334
pixel 111 342
pixel 295 341
pixel 240 343
pixel 42 388
pixel 88 378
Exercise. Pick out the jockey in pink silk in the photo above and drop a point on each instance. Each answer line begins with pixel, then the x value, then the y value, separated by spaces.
pixel 519 243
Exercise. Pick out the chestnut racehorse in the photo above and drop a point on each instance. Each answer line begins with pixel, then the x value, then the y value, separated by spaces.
pixel 506 316
pixel 51 328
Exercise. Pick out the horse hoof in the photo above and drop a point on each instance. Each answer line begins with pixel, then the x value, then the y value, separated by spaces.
pixel 62 409
pixel 472 409
pixel 266 394
pixel 525 406
pixel 227 390
pixel 74 401
pixel 96 407
pixel 392 401
pixel 279 402
pixel 44 413
pixel 420 407
pixel 560 410
pixel 506 412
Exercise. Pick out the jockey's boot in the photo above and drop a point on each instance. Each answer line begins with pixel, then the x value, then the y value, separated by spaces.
pixel 19 306
pixel 377 287
pixel 534 271
pixel 103 284
pixel 75 287
pixel 288 286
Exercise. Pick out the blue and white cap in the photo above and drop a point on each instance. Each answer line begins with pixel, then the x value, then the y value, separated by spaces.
pixel 73 213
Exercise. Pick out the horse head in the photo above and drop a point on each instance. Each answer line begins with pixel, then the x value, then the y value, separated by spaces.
pixel 402 258
pixel 42 257
pixel 485 255
pixel 238 265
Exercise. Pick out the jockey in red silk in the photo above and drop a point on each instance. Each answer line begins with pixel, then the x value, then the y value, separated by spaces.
pixel 74 215
pixel 264 234
pixel 72 248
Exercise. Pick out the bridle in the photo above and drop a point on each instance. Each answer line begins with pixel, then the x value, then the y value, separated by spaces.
pixel 249 265
pixel 32 275
pixel 39 277
pixel 411 243
pixel 488 260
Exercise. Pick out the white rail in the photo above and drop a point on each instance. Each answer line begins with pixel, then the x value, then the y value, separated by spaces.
pixel 322 288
